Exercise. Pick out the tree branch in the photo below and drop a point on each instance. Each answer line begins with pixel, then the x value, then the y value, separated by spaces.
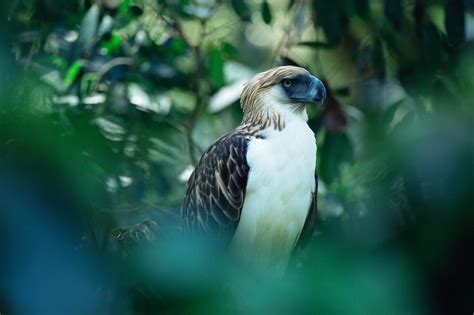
pixel 196 49
pixel 120 61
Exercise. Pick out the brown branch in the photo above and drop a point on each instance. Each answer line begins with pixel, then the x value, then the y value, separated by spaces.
pixel 196 49
pixel 197 104
pixel 119 61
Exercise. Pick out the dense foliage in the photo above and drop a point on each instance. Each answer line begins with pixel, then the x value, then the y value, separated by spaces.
pixel 106 106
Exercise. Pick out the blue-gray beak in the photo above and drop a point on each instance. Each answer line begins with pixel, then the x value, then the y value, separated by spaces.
pixel 317 91
pixel 305 89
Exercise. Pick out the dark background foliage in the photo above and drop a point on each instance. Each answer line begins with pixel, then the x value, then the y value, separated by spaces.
pixel 106 106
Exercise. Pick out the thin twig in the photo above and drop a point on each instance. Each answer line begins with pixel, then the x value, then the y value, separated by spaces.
pixel 196 49
pixel 121 61
pixel 197 104
pixel 229 26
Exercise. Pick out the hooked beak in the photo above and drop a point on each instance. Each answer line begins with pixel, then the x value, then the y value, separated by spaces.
pixel 316 91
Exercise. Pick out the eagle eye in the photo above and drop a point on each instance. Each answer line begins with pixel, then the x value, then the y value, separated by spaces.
pixel 287 83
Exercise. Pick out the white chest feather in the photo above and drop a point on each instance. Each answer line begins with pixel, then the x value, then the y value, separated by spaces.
pixel 278 196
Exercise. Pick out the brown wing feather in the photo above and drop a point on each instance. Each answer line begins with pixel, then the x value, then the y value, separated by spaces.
pixel 310 223
pixel 216 189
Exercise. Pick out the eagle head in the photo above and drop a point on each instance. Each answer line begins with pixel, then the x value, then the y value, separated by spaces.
pixel 284 91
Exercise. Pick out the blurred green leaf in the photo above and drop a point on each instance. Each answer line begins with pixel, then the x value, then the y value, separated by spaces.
pixel 242 10
pixel 136 10
pixel 113 44
pixel 124 6
pixel 88 82
pixel 59 62
pixel 229 50
pixel 266 12
pixel 111 4
pixel 393 11
pixel 342 91
pixel 88 30
pixel 106 26
pixel 333 17
pixel 216 67
pixel 455 22
pixel 315 44
pixel 178 46
pixel 333 153
pixel 291 3
pixel 73 72
pixel 363 8
pixel 287 61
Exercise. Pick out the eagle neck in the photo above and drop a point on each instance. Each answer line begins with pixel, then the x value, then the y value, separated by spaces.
pixel 275 117
pixel 264 120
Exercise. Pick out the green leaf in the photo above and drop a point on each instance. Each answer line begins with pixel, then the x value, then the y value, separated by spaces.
pixel 59 62
pixel 136 10
pixel 73 72
pixel 113 44
pixel 290 4
pixel 342 91
pixel 242 10
pixel 88 82
pixel 89 26
pixel 362 8
pixel 266 12
pixel 393 10
pixel 333 153
pixel 287 61
pixel 454 22
pixel 315 45
pixel 333 17
pixel 178 46
pixel 106 26
pixel 229 50
pixel 216 68
pixel 124 6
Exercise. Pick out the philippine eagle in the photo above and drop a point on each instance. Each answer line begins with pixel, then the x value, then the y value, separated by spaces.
pixel 255 187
